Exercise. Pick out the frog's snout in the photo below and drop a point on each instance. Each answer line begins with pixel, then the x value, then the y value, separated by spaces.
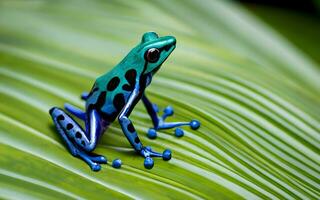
pixel 172 41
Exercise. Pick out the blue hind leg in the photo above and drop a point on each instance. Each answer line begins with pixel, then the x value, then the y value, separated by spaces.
pixel 159 122
pixel 75 138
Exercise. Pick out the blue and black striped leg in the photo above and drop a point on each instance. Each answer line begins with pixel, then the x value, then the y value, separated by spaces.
pixel 159 122
pixel 131 134
pixel 76 139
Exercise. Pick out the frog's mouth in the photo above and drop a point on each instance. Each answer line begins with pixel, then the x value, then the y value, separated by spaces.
pixel 168 49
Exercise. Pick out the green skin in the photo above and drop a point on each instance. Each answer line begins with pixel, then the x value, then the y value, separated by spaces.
pixel 115 94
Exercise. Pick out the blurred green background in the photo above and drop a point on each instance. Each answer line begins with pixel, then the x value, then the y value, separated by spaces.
pixel 248 71
pixel 298 21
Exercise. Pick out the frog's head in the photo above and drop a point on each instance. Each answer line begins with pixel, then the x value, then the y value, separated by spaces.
pixel 154 50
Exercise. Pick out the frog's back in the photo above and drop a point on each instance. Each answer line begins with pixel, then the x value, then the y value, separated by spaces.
pixel 111 91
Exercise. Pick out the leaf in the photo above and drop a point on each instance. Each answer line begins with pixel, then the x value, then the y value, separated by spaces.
pixel 256 95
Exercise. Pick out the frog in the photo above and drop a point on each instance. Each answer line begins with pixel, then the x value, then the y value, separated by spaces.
pixel 112 97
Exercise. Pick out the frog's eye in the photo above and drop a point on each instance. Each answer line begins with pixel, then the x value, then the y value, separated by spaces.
pixel 152 55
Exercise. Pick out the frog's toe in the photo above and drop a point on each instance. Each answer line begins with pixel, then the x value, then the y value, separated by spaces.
pixel 194 124
pixel 148 152
pixel 152 133
pixel 148 163
pixel 99 159
pixel 91 161
pixel 178 132
pixel 95 167
pixel 116 163
pixel 166 155
pixel 168 111
pixel 162 124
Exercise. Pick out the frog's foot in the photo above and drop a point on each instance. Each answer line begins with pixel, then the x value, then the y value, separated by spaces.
pixel 66 127
pixel 93 161
pixel 168 111
pixel 147 153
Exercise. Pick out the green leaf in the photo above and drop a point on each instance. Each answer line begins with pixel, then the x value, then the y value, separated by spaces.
pixel 256 95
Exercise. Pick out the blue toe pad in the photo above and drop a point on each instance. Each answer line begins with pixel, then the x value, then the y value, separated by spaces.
pixel 194 124
pixel 116 163
pixel 95 167
pixel 166 154
pixel 178 132
pixel 152 133
pixel 148 163
pixel 168 111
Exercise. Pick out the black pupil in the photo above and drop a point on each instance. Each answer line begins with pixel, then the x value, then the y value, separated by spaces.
pixel 153 55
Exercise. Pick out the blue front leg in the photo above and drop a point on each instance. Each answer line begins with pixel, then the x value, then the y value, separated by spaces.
pixel 132 136
pixel 159 122
pixel 75 111
pixel 79 142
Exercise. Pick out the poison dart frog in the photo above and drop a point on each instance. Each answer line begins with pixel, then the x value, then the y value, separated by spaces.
pixel 113 96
